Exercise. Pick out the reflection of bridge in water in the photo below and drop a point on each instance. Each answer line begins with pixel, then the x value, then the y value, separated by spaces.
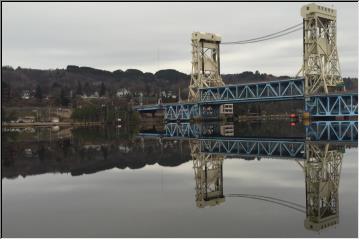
pixel 319 154
pixel 213 138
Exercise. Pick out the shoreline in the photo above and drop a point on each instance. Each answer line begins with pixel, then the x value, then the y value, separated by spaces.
pixel 49 124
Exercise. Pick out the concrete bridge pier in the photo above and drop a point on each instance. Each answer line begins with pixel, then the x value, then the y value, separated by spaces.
pixel 216 111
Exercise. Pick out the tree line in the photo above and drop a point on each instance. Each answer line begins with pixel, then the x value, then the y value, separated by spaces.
pixel 62 85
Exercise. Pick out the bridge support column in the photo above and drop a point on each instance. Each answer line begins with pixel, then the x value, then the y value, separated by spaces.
pixel 216 112
pixel 227 110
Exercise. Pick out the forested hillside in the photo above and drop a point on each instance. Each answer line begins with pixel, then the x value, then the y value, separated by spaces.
pixel 86 80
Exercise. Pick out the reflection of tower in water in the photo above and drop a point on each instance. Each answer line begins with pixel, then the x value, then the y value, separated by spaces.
pixel 208 169
pixel 208 177
pixel 322 167
pixel 322 175
pixel 319 154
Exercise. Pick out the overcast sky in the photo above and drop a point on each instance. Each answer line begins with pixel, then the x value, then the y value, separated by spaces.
pixel 153 36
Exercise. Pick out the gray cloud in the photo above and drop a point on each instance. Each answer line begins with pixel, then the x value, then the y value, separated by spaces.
pixel 152 36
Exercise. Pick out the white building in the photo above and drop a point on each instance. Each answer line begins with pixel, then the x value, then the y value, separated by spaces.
pixel 26 94
pixel 94 95
pixel 123 92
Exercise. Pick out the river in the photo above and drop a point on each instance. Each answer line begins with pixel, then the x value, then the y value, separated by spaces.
pixel 258 179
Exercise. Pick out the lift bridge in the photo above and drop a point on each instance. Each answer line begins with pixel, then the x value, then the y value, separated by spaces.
pixel 321 87
pixel 319 155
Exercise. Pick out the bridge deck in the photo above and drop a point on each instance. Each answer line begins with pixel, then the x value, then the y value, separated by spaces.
pixel 331 105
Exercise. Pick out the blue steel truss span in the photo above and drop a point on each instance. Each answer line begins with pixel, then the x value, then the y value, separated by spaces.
pixel 332 105
pixel 251 92
pixel 149 107
pixel 344 131
pixel 341 104
pixel 321 131
pixel 254 147
pixel 173 111
pixel 334 130
pixel 184 111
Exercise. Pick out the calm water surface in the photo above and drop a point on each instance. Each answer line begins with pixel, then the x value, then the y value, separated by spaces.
pixel 115 182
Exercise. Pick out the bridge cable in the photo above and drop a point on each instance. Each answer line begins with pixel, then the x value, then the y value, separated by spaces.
pixel 288 204
pixel 265 39
pixel 281 33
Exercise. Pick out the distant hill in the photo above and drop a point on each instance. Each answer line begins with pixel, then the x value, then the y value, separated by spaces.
pixel 90 79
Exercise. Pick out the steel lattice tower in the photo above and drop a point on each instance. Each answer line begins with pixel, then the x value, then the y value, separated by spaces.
pixel 322 177
pixel 208 169
pixel 205 63
pixel 321 66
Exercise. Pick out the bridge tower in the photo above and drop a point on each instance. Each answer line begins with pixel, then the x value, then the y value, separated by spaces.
pixel 205 63
pixel 208 170
pixel 322 176
pixel 321 66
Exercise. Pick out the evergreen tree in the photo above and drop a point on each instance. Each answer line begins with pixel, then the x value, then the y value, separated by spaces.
pixel 79 89
pixel 102 89
pixel 38 93
pixel 87 89
pixel 63 99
